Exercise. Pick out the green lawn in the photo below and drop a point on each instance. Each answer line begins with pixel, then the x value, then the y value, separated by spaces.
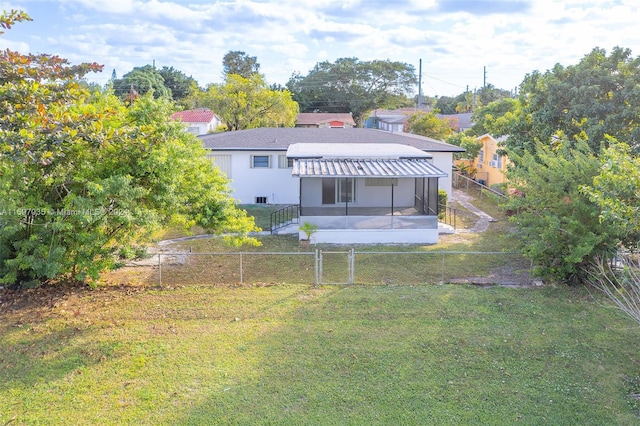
pixel 293 354
pixel 277 350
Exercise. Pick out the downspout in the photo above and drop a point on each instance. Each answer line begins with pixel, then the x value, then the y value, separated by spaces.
pixel 392 197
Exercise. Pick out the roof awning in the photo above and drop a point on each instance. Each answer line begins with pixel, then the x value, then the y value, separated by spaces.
pixel 391 168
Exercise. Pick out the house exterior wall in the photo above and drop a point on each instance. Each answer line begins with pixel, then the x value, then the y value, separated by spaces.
pixel 391 127
pixel 274 182
pixel 201 128
pixel 490 167
pixel 280 187
pixel 444 161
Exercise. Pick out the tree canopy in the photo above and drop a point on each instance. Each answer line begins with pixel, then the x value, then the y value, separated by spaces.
pixel 351 85
pixel 240 63
pixel 597 97
pixel 247 103
pixel 86 181
pixel 143 80
pixel 573 143
pixel 430 125
pixel 177 82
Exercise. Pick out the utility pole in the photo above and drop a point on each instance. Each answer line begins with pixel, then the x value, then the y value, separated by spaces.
pixel 419 86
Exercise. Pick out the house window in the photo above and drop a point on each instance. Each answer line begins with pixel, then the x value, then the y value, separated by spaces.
pixel 346 191
pixel 284 162
pixel 260 161
pixel 381 182
pixel 497 161
pixel 481 156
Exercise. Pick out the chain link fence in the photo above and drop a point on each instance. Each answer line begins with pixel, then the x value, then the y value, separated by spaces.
pixel 347 266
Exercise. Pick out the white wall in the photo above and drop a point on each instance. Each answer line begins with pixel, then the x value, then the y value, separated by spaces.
pixel 280 187
pixel 274 183
pixel 444 161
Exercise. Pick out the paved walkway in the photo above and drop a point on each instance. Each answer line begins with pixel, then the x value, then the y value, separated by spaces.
pixel 484 219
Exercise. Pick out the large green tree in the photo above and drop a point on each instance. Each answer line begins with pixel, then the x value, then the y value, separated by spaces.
pixel 177 82
pixel 143 80
pixel 599 96
pixel 616 191
pixel 430 125
pixel 351 85
pixel 85 181
pixel 247 103
pixel 485 117
pixel 240 63
pixel 559 224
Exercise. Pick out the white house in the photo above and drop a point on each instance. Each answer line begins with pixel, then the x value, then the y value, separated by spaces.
pixel 198 121
pixel 358 185
pixel 256 160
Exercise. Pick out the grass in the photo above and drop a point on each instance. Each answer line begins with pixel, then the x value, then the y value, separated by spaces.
pixel 207 349
pixel 293 354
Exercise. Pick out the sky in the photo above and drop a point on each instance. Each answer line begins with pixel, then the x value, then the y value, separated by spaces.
pixel 453 45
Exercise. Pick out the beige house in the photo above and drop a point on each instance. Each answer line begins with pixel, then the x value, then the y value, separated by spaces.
pixel 489 166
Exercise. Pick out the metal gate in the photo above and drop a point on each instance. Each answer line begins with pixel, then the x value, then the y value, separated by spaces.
pixel 330 267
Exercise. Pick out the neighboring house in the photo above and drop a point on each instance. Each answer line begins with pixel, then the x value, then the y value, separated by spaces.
pixel 322 120
pixel 459 122
pixel 489 166
pixel 376 177
pixel 395 121
pixel 198 121
pixel 389 120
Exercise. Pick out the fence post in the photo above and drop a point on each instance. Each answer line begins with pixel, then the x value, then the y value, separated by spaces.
pixel 316 261
pixel 320 266
pixel 241 282
pixel 351 265
pixel 159 270
pixel 442 282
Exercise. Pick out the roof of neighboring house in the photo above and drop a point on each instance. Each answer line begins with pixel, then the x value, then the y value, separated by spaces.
pixel 309 118
pixel 498 139
pixel 200 115
pixel 279 139
pixel 462 120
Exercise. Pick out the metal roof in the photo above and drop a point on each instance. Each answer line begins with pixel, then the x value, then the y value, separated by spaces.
pixel 394 168
pixel 355 150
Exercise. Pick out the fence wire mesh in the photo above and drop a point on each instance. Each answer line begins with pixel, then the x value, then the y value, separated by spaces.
pixel 346 266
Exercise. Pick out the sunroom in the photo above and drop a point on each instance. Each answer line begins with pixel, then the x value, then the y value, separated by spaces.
pixel 367 193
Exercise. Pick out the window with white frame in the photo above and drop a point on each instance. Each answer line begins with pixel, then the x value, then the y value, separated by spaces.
pixel 497 161
pixel 481 156
pixel 260 161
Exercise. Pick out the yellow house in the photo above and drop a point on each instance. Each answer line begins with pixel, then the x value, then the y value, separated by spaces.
pixel 488 165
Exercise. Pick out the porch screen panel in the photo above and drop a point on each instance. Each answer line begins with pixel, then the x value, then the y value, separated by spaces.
pixel 419 203
pixel 346 191
pixel 432 196
pixel 328 191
